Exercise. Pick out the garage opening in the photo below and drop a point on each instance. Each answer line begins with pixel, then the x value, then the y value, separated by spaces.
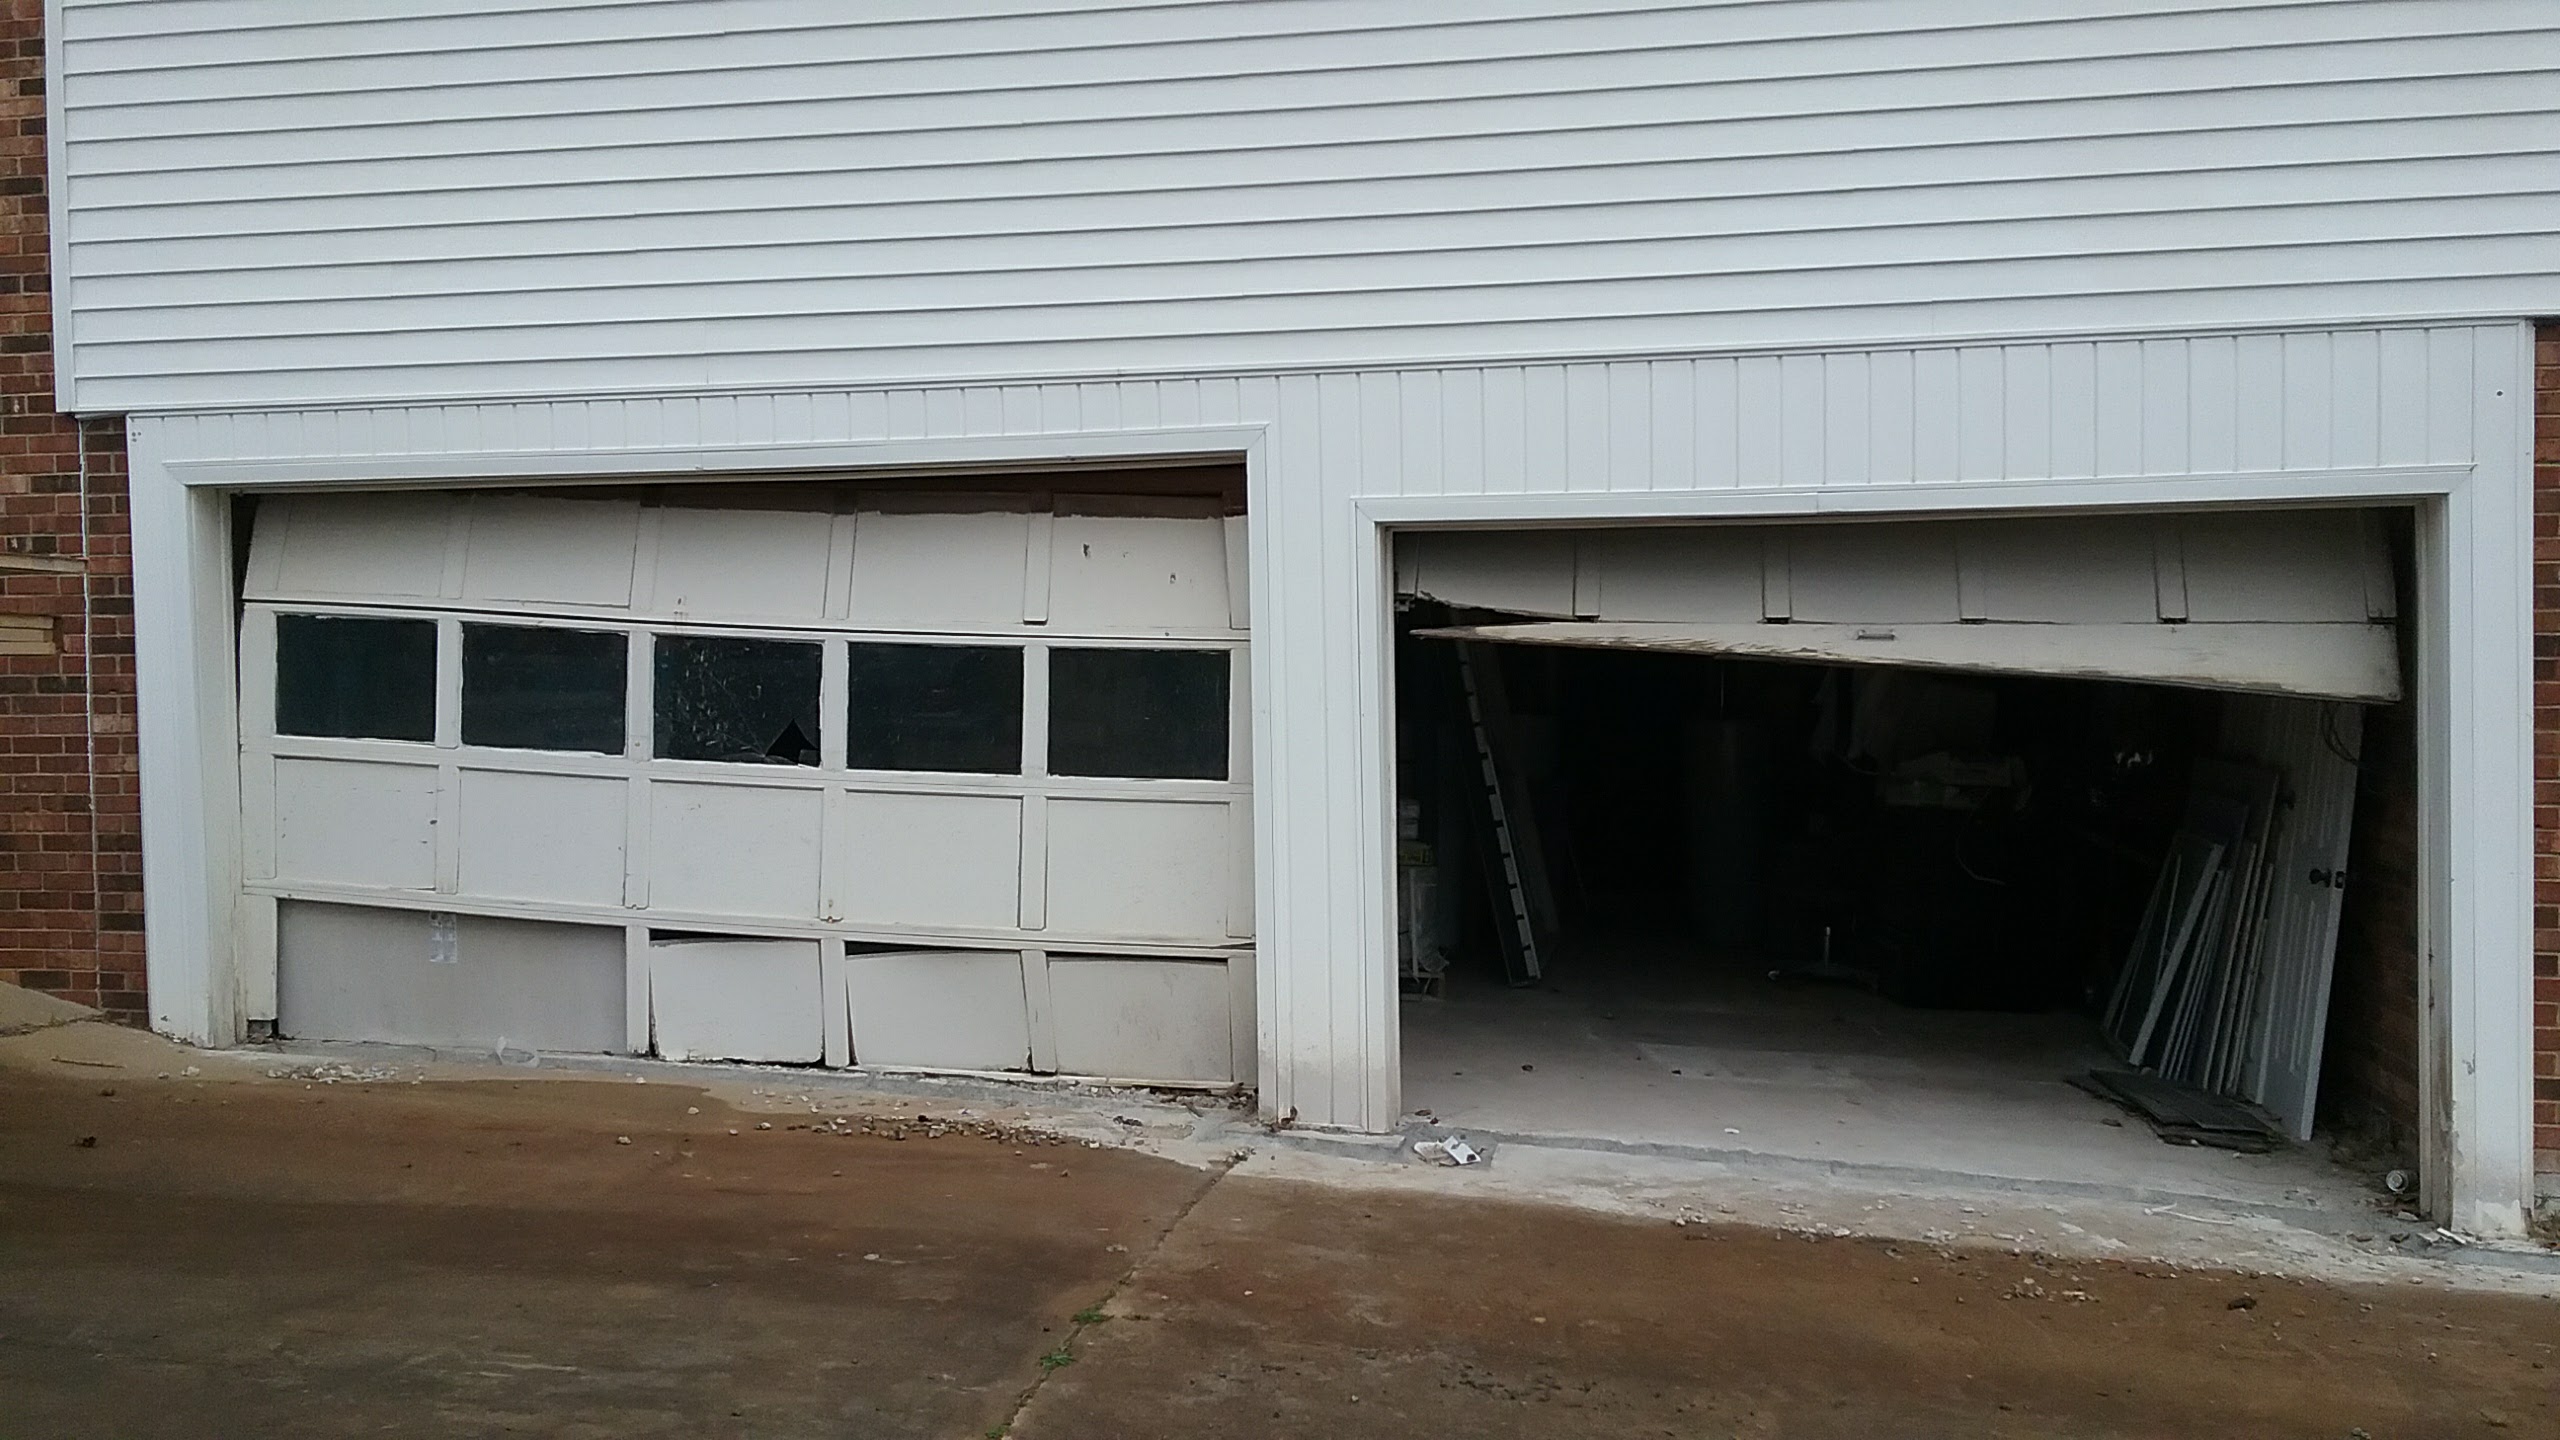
pixel 1874 842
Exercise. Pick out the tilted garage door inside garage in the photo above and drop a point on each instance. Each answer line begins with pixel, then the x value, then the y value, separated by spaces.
pixel 1889 814
pixel 949 776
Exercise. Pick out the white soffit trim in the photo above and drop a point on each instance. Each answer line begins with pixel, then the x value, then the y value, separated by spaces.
pixel 2332 661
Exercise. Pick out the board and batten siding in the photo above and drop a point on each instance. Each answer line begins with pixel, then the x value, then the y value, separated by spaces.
pixel 2358 416
pixel 273 204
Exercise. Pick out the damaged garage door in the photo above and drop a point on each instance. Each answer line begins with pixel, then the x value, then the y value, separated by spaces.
pixel 2296 602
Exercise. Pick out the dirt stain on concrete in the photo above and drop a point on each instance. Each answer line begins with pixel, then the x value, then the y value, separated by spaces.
pixel 594 1257
pixel 327 1260
pixel 1279 1309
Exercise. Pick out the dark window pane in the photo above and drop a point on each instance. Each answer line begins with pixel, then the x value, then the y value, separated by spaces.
pixel 723 699
pixel 1145 714
pixel 535 688
pixel 935 707
pixel 363 679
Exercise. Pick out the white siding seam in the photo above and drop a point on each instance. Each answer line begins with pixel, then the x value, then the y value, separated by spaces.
pixel 1727 153
pixel 819 94
pixel 2473 77
pixel 1529 16
pixel 2042 219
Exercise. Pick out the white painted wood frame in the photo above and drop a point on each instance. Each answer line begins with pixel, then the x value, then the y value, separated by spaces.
pixel 2436 416
pixel 479 857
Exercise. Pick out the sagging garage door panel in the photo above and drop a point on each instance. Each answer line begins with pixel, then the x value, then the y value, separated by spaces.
pixel 985 734
pixel 347 972
pixel 2293 602
pixel 878 561
pixel 2314 661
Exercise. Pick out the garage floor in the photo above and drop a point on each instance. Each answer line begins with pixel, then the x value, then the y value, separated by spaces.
pixel 1649 1053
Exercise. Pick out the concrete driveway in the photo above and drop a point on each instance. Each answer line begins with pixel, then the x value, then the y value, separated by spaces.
pixel 334 1252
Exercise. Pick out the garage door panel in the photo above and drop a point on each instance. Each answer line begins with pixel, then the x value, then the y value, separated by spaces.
pixel 1526 572
pixel 737 1000
pixel 2278 602
pixel 2287 566
pixel 2058 572
pixel 1131 1019
pixel 1138 869
pixel 536 549
pixel 741 564
pixel 355 972
pixel 1853 573
pixel 368 546
pixel 351 822
pixel 1113 573
pixel 932 860
pixel 733 849
pixel 938 572
pixel 1677 574
pixel 2336 662
pixel 544 837
pixel 939 1009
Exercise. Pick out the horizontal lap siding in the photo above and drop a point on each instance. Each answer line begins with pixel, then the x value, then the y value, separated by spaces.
pixel 392 203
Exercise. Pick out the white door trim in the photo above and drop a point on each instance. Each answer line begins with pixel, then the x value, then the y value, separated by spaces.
pixel 2475 757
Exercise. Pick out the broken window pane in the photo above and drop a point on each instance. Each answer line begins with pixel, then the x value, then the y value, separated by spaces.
pixel 1140 714
pixel 538 688
pixel 355 678
pixel 726 699
pixel 935 707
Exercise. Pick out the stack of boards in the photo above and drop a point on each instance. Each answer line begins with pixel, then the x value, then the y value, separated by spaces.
pixel 2186 1004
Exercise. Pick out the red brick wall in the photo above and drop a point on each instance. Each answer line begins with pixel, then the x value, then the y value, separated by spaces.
pixel 2546 758
pixel 70 817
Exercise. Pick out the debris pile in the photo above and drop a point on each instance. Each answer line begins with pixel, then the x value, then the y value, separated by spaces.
pixel 928 1127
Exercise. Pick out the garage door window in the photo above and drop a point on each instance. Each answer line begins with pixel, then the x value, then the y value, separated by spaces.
pixel 753 701
pixel 356 679
pixel 539 688
pixel 1138 714
pixel 951 708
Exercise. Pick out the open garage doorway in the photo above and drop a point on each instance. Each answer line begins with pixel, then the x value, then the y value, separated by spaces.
pixel 1873 843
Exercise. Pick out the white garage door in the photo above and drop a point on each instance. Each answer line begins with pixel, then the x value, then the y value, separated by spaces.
pixel 869 782
pixel 2280 602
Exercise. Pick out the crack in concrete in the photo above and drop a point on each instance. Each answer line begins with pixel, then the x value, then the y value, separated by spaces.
pixel 1077 1325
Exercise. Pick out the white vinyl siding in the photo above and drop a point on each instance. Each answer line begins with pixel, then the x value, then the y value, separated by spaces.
pixel 276 205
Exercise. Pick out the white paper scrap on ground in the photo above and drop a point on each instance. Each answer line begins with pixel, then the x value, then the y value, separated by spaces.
pixel 1452 1150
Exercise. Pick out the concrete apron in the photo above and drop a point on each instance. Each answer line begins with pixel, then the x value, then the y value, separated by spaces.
pixel 2324 1225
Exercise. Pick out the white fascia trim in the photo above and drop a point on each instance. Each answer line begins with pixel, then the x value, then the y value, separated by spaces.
pixel 717 462
pixel 2250 489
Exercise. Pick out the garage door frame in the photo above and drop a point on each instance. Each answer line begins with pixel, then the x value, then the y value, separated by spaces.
pixel 2434 413
pixel 2474 753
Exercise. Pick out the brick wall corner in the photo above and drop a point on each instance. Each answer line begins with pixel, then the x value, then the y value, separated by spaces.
pixel 70 812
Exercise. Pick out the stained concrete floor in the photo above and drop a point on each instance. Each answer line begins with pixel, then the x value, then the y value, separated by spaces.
pixel 219 1245
pixel 1824 1074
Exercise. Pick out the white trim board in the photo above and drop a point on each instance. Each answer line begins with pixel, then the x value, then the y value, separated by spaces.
pixel 2435 415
